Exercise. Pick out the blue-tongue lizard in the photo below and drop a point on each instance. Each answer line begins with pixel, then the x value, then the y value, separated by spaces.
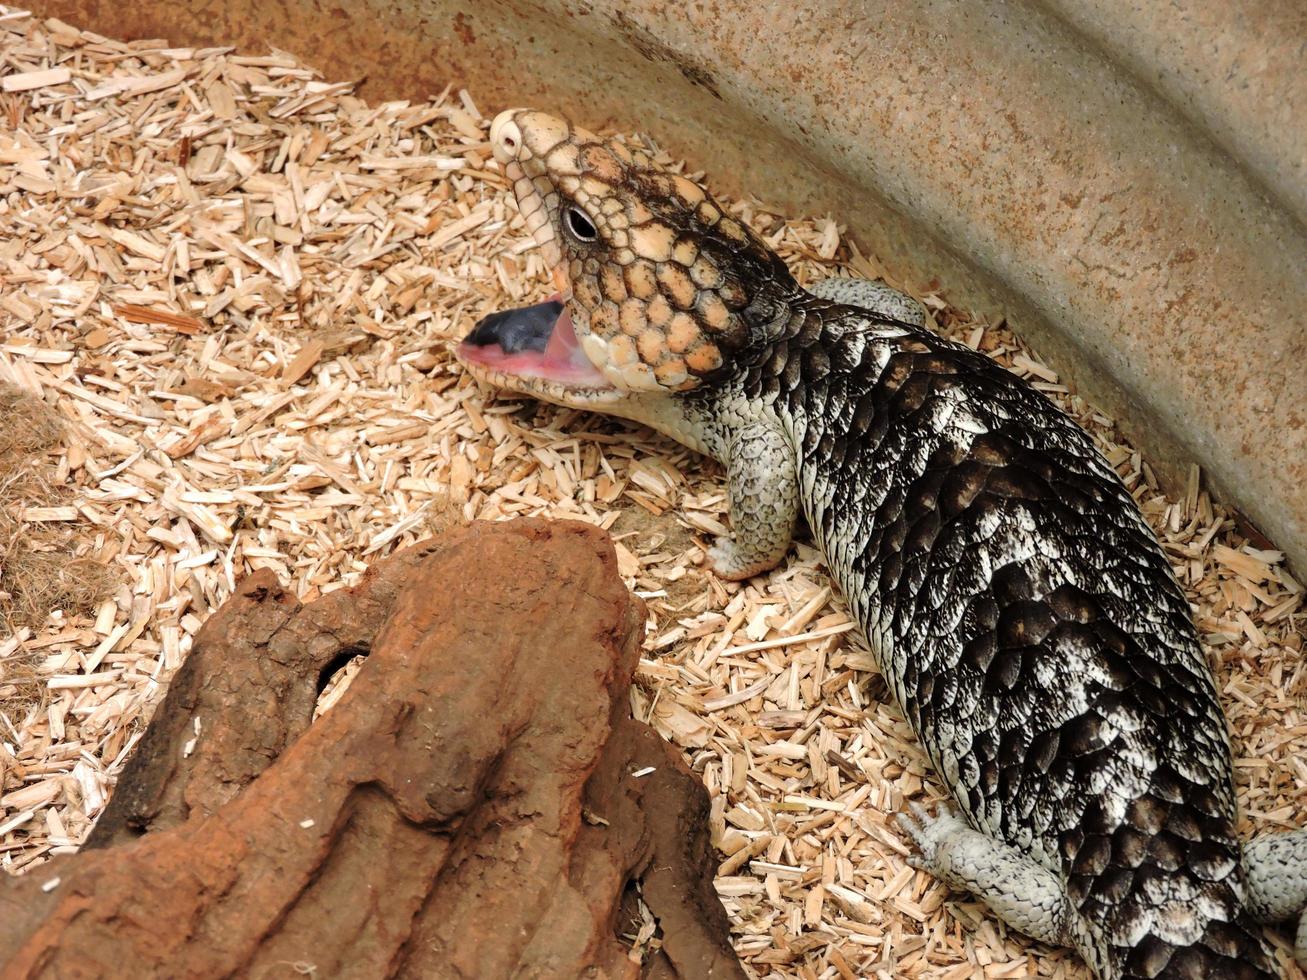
pixel 1023 615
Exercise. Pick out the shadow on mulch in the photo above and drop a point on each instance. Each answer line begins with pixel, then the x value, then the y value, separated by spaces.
pixel 39 571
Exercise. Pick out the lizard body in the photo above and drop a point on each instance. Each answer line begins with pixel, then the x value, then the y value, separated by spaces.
pixel 1024 617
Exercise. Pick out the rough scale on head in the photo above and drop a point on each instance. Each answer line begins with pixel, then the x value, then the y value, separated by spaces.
pixel 654 274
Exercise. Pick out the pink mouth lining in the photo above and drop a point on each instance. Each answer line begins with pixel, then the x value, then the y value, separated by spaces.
pixel 563 361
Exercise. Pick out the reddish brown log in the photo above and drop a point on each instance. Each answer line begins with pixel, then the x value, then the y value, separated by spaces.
pixel 466 809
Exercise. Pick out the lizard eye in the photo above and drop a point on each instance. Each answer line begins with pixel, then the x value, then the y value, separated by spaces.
pixel 578 224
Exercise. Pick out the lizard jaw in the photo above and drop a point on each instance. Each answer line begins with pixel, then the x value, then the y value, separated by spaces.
pixel 519 349
pixel 534 350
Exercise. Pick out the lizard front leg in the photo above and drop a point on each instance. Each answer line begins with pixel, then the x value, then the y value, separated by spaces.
pixel 764 497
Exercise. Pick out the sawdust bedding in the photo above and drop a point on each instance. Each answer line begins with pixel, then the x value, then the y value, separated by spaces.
pixel 236 285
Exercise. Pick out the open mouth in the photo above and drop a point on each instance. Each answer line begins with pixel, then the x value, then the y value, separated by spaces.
pixel 532 343
pixel 533 349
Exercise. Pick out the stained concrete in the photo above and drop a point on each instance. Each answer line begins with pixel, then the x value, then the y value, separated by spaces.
pixel 1124 182
pixel 1237 72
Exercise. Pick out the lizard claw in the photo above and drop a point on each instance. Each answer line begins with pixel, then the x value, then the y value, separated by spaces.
pixel 912 825
pixel 926 832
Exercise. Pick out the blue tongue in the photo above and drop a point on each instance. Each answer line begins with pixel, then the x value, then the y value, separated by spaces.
pixel 527 328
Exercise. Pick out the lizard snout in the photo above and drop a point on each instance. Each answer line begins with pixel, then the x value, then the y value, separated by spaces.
pixel 505 136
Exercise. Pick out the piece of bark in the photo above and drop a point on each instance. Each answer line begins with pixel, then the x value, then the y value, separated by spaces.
pixel 250 683
pixel 468 808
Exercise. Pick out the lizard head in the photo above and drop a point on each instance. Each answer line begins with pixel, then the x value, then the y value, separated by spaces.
pixel 657 284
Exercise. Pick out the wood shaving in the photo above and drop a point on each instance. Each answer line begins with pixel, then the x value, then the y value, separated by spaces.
pixel 238 285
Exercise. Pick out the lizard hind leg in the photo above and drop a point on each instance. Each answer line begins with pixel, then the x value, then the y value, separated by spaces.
pixel 1024 894
pixel 1276 869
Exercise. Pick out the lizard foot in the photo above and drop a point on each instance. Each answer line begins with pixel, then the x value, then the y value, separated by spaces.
pixel 735 564
pixel 930 834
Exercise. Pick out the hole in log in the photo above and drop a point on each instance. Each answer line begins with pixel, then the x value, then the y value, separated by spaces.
pixel 637 927
pixel 335 677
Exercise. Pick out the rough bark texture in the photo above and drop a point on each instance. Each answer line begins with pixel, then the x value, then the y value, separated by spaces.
pixel 466 809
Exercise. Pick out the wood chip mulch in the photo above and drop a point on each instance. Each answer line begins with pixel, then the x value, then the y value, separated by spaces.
pixel 237 285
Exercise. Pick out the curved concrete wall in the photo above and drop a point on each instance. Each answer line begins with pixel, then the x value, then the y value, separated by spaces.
pixel 1234 70
pixel 1126 181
